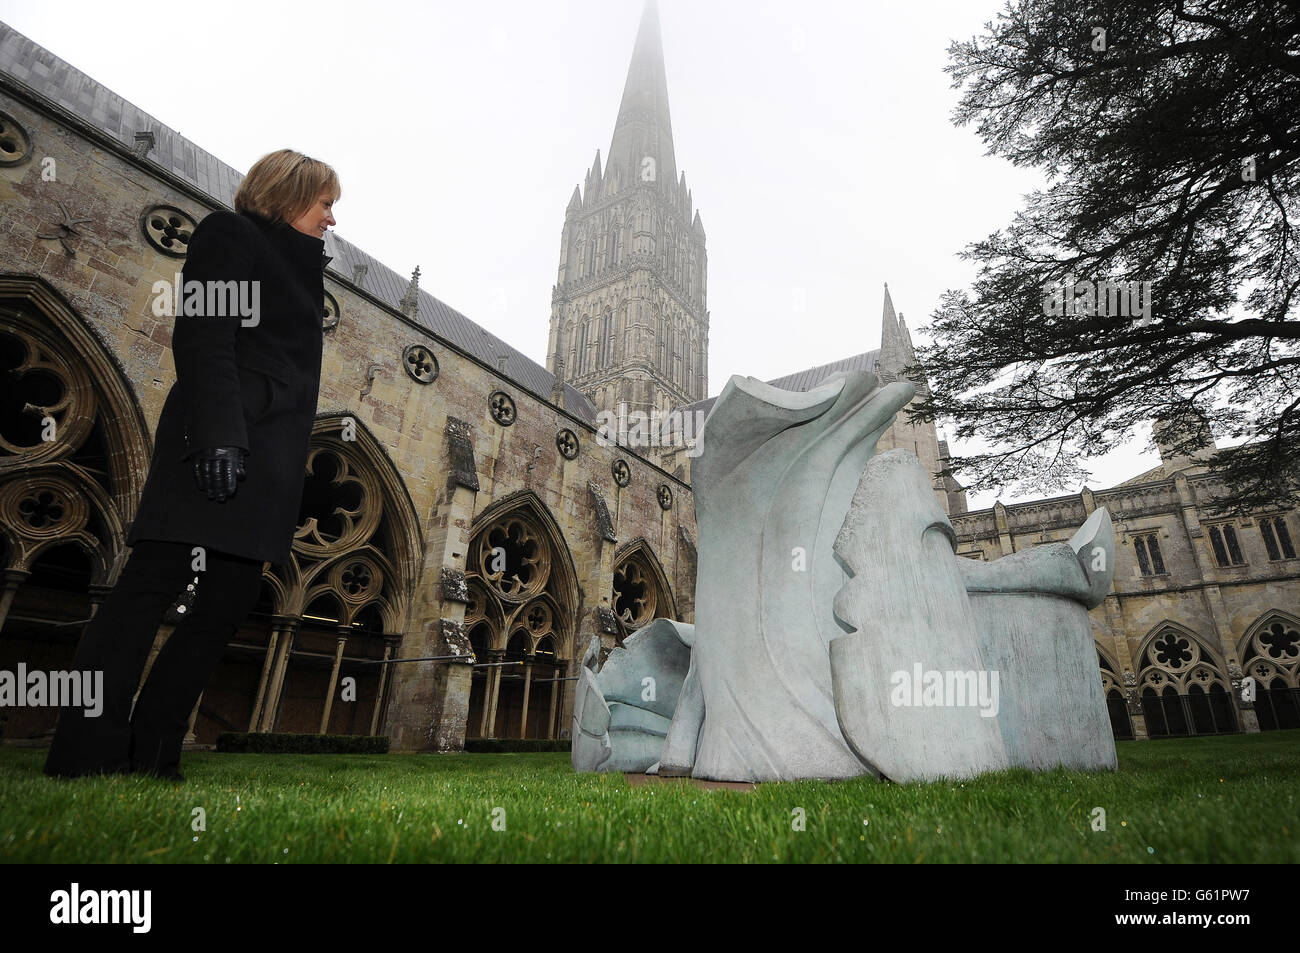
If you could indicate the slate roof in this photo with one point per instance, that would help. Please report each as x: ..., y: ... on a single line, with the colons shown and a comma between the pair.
x: 806, y: 379
x: 56, y: 80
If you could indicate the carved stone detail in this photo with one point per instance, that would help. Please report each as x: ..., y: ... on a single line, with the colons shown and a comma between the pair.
x: 606, y: 621
x: 330, y: 316
x: 454, y: 587
x: 67, y: 229
x: 502, y: 407
x: 420, y: 363
x: 603, y: 520
x: 685, y: 536
x: 566, y: 441
x: 461, y: 452
x: 454, y: 637
x: 168, y: 229
x: 15, y: 141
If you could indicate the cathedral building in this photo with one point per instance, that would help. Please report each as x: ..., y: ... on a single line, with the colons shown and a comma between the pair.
x: 1200, y: 633
x: 629, y: 320
x: 437, y: 445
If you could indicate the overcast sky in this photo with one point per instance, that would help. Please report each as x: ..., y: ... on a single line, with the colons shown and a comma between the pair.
x: 816, y: 138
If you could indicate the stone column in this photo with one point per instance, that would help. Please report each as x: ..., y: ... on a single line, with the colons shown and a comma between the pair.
x: 190, y: 737
x: 528, y: 684
x: 1246, y: 714
x: 1133, y: 700
x: 390, y: 643
x: 556, y: 684
x: 494, y: 690
x: 344, y: 632
x: 274, y: 694
x: 487, y: 697
x: 13, y: 578
x: 420, y: 700
x: 268, y: 663
x: 568, y: 667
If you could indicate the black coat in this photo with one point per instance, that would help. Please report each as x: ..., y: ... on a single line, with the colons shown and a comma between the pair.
x: 240, y: 384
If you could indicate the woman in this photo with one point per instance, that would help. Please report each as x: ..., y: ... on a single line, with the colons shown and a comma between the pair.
x: 226, y: 479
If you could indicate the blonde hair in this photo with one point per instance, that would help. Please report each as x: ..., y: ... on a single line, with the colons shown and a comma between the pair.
x: 283, y: 184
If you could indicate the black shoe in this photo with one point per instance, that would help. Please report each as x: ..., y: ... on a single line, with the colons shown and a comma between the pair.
x: 166, y: 774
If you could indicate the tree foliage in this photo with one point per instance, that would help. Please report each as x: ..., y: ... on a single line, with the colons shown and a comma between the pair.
x: 1170, y: 143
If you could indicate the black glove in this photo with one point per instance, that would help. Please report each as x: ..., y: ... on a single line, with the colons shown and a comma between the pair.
x: 218, y: 469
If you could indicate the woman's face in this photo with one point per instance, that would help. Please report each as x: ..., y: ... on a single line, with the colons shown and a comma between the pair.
x: 317, y: 218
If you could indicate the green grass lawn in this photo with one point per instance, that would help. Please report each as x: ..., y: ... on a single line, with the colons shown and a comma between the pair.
x: 1227, y: 799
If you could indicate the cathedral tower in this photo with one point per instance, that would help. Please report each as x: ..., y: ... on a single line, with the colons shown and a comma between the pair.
x: 629, y: 322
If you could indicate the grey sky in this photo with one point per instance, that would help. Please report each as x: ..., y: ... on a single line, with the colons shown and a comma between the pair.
x: 815, y: 137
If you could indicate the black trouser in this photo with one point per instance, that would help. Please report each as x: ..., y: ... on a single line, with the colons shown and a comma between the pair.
x: 117, y: 642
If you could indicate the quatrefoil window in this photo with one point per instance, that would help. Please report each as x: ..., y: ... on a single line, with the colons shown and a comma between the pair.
x: 356, y: 578
x: 1173, y: 651
x: 15, y: 143
x: 332, y: 511
x: 1281, y: 642
x: 502, y: 407
x: 41, y: 509
x: 420, y: 363
x: 632, y: 599
x: 168, y: 229
x: 622, y: 472
x: 567, y: 443
x: 511, y: 559
x: 538, y: 618
x: 330, y: 316
x: 665, y: 496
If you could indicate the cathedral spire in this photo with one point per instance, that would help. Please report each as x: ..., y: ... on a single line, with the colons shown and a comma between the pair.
x: 631, y: 293
x: 894, y: 351
x: 644, y: 129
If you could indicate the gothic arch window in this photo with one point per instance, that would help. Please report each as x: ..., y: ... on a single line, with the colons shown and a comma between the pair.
x: 662, y: 342
x: 584, y: 327
x: 350, y: 576
x: 640, y: 592
x: 1277, y: 537
x: 607, y: 338
x: 1182, y: 684
x: 1270, y: 653
x: 579, y: 247
x: 74, y: 452
x: 611, y: 245
x: 523, y: 602
x: 571, y: 348
x: 1121, y: 725
x: 688, y: 381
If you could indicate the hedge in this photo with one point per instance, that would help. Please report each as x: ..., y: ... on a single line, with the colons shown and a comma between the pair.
x: 258, y: 742
x: 500, y: 745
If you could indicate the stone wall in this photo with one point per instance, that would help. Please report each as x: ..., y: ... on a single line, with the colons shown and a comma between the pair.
x: 109, y: 285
